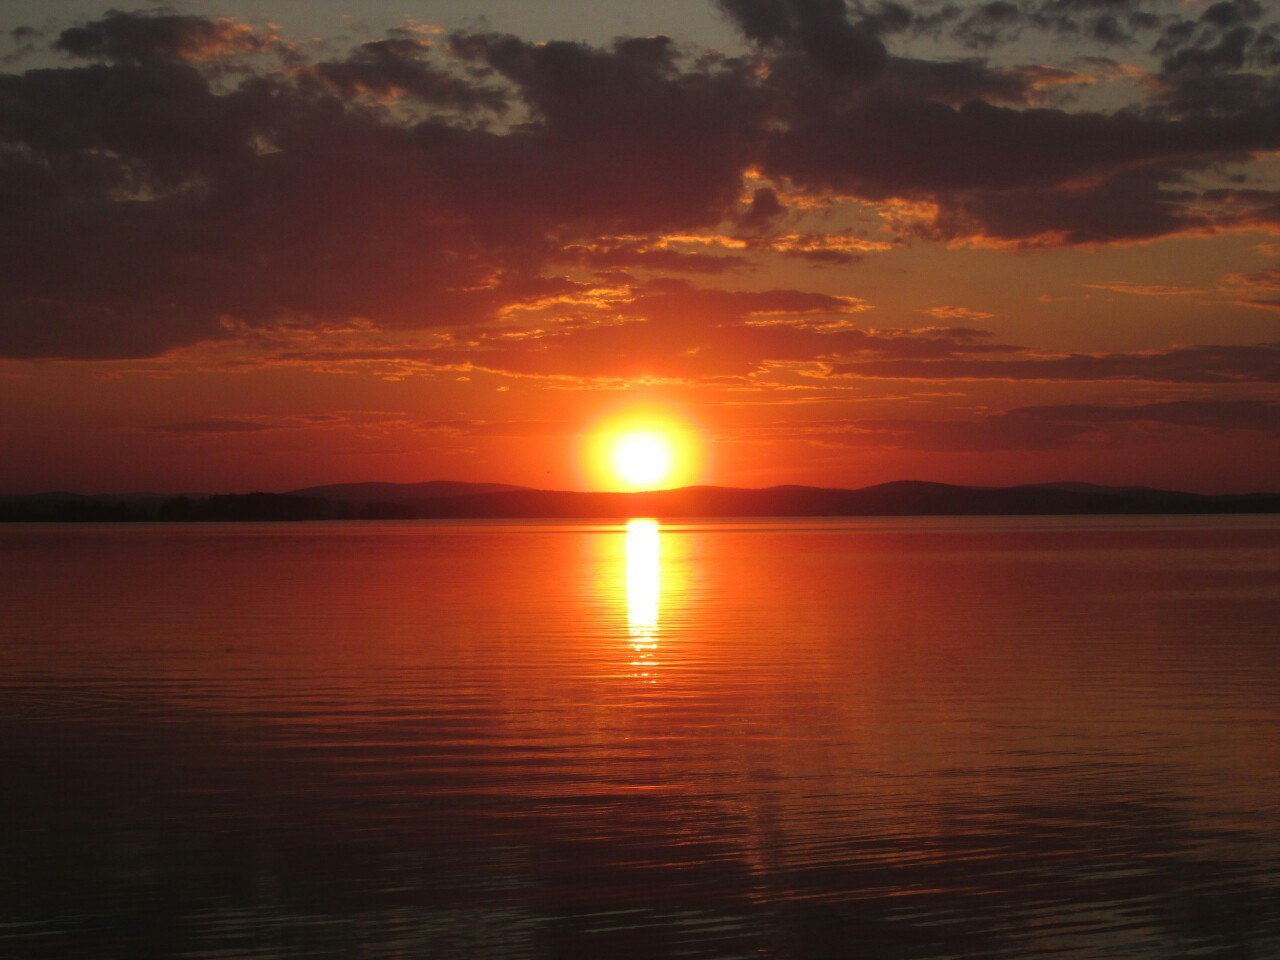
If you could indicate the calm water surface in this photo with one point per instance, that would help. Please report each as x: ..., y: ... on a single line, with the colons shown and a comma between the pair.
x: 884, y: 739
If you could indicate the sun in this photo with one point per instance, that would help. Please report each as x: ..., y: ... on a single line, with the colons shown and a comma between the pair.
x: 642, y: 459
x: 640, y: 448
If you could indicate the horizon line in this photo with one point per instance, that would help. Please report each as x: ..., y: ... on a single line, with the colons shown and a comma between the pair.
x: 1082, y: 486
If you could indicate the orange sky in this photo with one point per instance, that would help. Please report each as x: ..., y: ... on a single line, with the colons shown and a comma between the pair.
x: 837, y: 244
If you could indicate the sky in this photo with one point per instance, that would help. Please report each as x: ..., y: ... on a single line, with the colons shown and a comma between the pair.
x: 265, y: 244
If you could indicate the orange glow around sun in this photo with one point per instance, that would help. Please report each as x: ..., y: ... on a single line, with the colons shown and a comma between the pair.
x: 641, y: 453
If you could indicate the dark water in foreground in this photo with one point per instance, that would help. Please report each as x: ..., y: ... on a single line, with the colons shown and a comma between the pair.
x: 884, y: 739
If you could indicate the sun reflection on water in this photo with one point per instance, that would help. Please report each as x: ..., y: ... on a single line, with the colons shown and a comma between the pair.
x: 644, y: 587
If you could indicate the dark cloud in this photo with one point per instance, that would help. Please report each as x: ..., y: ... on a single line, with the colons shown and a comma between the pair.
x: 501, y: 428
x: 1260, y: 279
x: 179, y: 178
x: 955, y: 134
x: 1260, y: 415
x: 1220, y: 93
x: 1226, y: 37
x: 399, y: 67
x: 1102, y: 21
x: 215, y: 425
x: 666, y: 330
x: 995, y: 433
x: 1043, y: 428
x: 989, y: 23
x: 763, y: 210
x: 623, y: 138
x: 152, y: 200
x: 957, y: 82
x: 647, y: 254
x: 1129, y: 206
x: 669, y: 300
x: 1021, y: 174
x: 1260, y: 288
x: 808, y: 77
x: 1192, y: 364
x: 23, y: 40
x: 139, y: 38
x: 821, y: 30
x: 1224, y: 62
x: 674, y: 330
x: 901, y: 147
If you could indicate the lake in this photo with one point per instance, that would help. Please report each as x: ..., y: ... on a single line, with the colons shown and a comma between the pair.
x: 890, y: 738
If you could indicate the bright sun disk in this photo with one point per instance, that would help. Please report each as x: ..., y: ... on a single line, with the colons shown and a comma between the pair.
x: 642, y: 459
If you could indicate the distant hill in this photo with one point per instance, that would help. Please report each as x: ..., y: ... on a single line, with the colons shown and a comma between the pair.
x: 64, y: 496
x: 455, y: 500
x: 400, y: 492
x: 1153, y: 492
x: 901, y: 498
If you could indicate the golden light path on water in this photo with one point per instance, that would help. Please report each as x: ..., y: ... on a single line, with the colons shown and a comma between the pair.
x: 644, y: 588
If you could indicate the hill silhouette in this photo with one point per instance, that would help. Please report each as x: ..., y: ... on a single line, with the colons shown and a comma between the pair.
x: 400, y: 492
x: 456, y: 500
